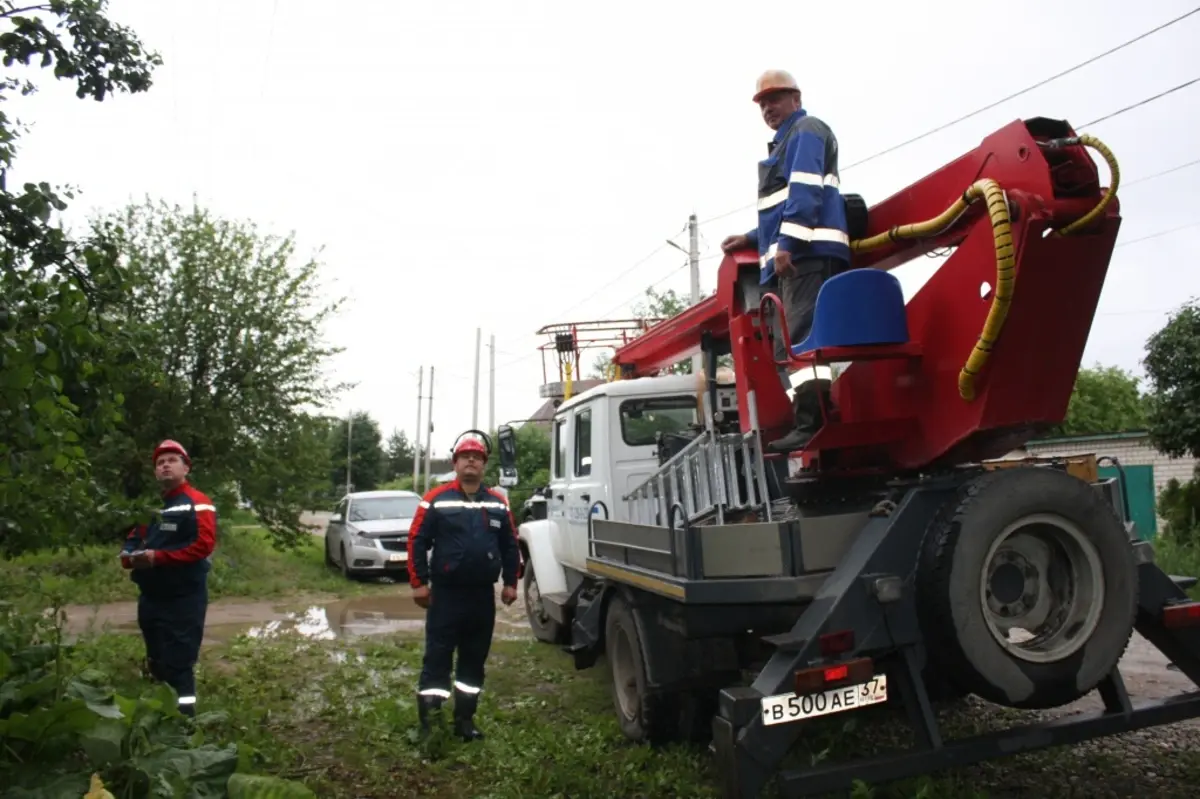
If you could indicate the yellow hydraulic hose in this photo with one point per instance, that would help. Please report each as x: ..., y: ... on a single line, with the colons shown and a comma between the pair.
x: 997, y: 205
x: 1113, y: 167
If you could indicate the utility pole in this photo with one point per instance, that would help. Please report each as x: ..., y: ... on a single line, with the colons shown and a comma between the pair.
x: 475, y: 392
x: 693, y: 254
x: 417, y: 442
x: 492, y: 384
x: 694, y: 263
x: 349, y: 449
x: 429, y: 430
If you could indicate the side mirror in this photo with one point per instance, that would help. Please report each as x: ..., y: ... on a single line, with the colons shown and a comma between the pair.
x: 506, y: 442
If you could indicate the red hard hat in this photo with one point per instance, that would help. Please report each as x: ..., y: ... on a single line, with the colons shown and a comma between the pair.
x: 171, y: 446
x: 470, y: 445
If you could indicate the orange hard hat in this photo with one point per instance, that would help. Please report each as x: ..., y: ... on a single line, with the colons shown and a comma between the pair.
x: 774, y: 80
x: 171, y: 446
x: 470, y: 445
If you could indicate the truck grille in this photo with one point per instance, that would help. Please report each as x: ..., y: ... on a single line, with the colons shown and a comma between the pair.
x: 394, y: 543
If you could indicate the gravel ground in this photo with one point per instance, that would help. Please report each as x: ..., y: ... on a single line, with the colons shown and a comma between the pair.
x: 1159, y: 763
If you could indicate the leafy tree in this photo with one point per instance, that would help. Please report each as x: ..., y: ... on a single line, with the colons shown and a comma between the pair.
x: 1105, y: 399
x: 59, y: 343
x: 1179, y: 506
x: 400, y: 456
x: 368, y: 461
x: 1173, y: 368
x: 228, y: 328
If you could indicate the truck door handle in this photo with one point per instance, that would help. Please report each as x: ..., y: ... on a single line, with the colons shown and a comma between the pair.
x: 586, y: 497
x: 559, y: 497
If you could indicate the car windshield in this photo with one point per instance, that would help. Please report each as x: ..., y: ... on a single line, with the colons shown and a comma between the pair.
x: 373, y: 509
x: 641, y: 419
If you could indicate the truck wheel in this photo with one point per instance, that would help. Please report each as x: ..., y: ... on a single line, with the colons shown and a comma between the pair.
x: 545, y: 629
x: 643, y: 717
x: 1028, y: 588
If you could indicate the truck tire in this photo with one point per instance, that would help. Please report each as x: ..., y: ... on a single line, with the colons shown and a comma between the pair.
x: 545, y: 629
x: 642, y: 716
x: 1027, y: 546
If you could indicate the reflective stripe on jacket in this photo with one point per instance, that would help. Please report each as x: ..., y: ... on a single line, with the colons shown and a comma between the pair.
x: 474, y: 540
x: 800, y: 205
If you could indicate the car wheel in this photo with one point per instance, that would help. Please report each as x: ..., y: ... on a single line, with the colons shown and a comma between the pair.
x: 347, y: 572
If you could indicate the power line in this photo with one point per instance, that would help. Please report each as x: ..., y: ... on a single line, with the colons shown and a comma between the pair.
x: 1001, y: 101
x: 659, y: 282
x: 617, y: 279
x: 1159, y: 234
x: 1160, y: 174
x: 1139, y: 104
x: 1027, y: 89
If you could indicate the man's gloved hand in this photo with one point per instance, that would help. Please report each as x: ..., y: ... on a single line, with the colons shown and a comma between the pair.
x: 738, y: 242
x: 783, y: 264
x: 143, y: 559
x: 509, y: 594
x: 420, y: 595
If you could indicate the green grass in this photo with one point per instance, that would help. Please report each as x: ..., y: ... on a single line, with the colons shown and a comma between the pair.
x: 245, y: 564
x: 1178, y: 559
x: 340, y: 717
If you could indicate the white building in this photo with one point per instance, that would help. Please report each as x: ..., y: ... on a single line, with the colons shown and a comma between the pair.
x: 1147, y: 470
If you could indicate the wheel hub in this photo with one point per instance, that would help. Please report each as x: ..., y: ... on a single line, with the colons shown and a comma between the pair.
x: 533, y: 601
x: 1042, y: 588
x: 1013, y: 586
x: 624, y: 678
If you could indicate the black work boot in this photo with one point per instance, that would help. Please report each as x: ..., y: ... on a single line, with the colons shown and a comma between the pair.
x: 465, y: 705
x: 806, y: 410
x: 427, y: 704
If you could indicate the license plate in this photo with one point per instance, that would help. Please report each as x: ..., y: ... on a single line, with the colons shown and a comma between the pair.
x: 395, y: 557
x: 789, y: 707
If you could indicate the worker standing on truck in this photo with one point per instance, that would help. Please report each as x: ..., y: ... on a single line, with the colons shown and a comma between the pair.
x: 801, y: 237
x: 170, y: 561
x: 470, y: 528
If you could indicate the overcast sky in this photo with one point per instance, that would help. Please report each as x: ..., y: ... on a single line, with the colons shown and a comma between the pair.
x: 461, y: 163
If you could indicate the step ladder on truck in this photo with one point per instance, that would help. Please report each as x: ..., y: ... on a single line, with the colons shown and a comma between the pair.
x: 896, y: 560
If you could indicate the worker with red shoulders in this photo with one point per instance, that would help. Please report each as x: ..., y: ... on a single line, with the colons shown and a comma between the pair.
x: 170, y: 561
x: 470, y: 528
x: 802, y: 236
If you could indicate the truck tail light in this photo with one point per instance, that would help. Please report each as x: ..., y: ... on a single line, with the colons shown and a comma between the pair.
x: 1184, y: 614
x: 818, y: 678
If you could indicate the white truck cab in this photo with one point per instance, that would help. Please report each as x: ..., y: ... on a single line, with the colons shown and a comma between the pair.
x: 602, y: 447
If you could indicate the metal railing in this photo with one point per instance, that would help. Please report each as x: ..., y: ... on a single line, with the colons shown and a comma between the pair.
x: 703, y: 477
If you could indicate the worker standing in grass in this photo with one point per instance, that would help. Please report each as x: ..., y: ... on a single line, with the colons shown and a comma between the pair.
x: 802, y: 237
x: 471, y: 530
x: 170, y: 559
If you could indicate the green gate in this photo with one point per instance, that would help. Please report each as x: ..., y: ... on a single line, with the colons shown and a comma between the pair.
x: 1139, y: 482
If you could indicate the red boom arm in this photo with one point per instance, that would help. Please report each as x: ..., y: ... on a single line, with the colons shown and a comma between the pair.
x: 904, y: 413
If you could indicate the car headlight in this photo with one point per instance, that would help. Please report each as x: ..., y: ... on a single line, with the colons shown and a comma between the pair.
x: 364, y: 541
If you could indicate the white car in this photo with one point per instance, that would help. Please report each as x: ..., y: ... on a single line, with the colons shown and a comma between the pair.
x: 368, y: 534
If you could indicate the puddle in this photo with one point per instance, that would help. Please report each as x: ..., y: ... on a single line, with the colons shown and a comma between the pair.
x: 342, y: 619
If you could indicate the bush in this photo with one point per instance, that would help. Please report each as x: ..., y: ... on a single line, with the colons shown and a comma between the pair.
x: 65, y: 730
x: 1179, y: 507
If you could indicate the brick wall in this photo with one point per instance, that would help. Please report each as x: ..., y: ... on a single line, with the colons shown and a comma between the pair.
x: 1133, y: 449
